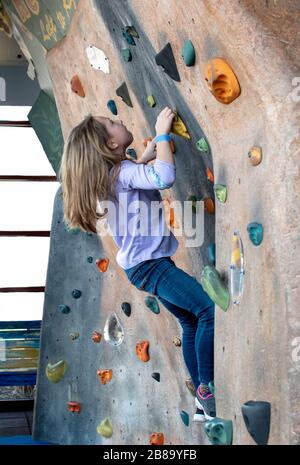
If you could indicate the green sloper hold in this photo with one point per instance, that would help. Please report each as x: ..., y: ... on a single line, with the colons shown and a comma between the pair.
x: 122, y: 92
x: 105, y: 428
x: 214, y: 287
x: 202, y: 145
x: 151, y: 101
x: 256, y: 233
x: 219, y: 431
x: 185, y: 417
x: 56, y: 372
x: 126, y: 54
x: 188, y: 53
x: 221, y: 192
x: 152, y: 303
x: 128, y: 37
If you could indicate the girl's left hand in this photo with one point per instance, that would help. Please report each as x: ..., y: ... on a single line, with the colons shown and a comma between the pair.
x: 149, y: 153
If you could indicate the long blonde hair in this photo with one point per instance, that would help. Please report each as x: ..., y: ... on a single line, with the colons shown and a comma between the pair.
x: 84, y: 174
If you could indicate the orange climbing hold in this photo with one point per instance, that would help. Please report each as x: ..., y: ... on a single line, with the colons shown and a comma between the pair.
x: 77, y: 86
x: 157, y: 439
x: 105, y: 376
x: 74, y: 407
x: 96, y: 336
x: 209, y: 175
x: 221, y: 81
x: 142, y: 351
x: 102, y: 264
x: 209, y: 205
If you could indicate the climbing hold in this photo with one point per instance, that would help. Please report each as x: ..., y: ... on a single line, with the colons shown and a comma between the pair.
x: 142, y: 351
x: 73, y: 230
x: 209, y: 206
x: 152, y: 303
x: 255, y: 156
x: 96, y: 337
x: 74, y: 336
x: 219, y: 431
x: 221, y: 192
x: 105, y: 428
x: 90, y: 259
x: 122, y: 92
x: 102, y: 264
x: 113, y: 331
x: 214, y: 287
x: 74, y: 407
x: 55, y: 372
x: 126, y: 54
x: 77, y: 87
x: 211, y: 253
x: 76, y: 293
x: 104, y: 376
x: 190, y: 385
x: 209, y: 175
x: 222, y: 81
x: 157, y: 439
x: 126, y: 307
x: 97, y: 59
x: 257, y: 416
x: 177, y: 341
x: 211, y: 387
x: 237, y: 270
x: 111, y: 105
x: 131, y: 153
x: 185, y: 417
x: 165, y: 58
x: 132, y: 31
x: 193, y: 199
x: 179, y: 128
x: 256, y: 233
x: 188, y: 53
x: 202, y: 145
x: 151, y: 101
x: 156, y: 376
x: 64, y: 309
x: 128, y: 37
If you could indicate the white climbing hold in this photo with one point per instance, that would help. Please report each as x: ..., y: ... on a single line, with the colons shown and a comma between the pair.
x: 97, y: 59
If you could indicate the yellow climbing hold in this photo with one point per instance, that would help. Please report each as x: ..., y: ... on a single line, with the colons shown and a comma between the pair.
x: 55, y: 372
x: 105, y: 428
x: 179, y: 128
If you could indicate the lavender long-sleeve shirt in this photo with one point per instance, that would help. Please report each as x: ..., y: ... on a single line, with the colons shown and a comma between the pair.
x: 139, y: 232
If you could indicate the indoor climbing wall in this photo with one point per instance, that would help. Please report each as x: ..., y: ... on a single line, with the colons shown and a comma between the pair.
x: 229, y: 71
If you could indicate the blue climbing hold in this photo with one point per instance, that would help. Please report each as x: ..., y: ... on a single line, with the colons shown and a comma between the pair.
x: 185, y: 417
x: 131, y: 153
x: 128, y: 37
x: 256, y: 233
x: 64, y: 309
x: 76, y: 293
x: 152, y: 304
x: 90, y: 259
x: 111, y: 105
x: 211, y: 253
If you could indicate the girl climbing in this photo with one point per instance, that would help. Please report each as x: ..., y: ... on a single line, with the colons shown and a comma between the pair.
x: 95, y: 168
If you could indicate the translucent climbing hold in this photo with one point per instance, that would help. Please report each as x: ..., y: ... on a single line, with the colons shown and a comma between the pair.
x: 122, y: 92
x: 219, y: 431
x: 209, y: 175
x: 97, y: 59
x: 152, y: 304
x: 128, y: 37
x: 77, y: 87
x: 96, y: 337
x: 190, y: 385
x: 102, y: 264
x: 156, y: 376
x: 74, y: 336
x: 151, y: 101
x: 76, y: 293
x: 165, y: 58
x: 256, y: 233
x: 221, y: 81
x: 185, y: 417
x: 131, y: 153
x: 126, y: 54
x: 177, y: 341
x: 221, y: 192
x: 113, y: 330
x: 214, y: 287
x: 55, y: 372
x: 209, y: 205
x: 104, y: 376
x: 237, y: 268
x: 142, y: 350
x: 105, y: 428
x: 211, y: 387
x: 211, y: 253
x: 64, y: 309
x: 202, y: 145
x: 179, y: 128
x: 126, y: 307
x: 73, y: 230
x: 132, y: 31
x: 257, y: 417
x: 90, y: 259
x: 111, y: 105
x: 255, y: 155
x: 188, y: 53
x: 193, y: 199
x: 74, y: 407
x: 157, y: 439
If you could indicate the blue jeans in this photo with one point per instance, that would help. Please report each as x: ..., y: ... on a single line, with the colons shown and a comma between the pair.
x: 185, y: 298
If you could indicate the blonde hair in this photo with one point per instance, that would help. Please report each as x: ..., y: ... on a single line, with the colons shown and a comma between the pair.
x: 84, y: 174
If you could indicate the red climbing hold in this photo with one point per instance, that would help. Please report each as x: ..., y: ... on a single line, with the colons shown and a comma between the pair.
x: 142, y: 351
x: 105, y: 376
x: 77, y: 86
x: 96, y: 337
x: 157, y: 439
x: 102, y: 264
x: 74, y: 407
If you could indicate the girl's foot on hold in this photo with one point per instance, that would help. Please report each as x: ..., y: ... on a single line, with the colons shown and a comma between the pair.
x: 205, y: 401
x: 199, y: 415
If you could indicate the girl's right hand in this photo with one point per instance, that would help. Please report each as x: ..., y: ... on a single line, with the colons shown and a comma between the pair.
x: 164, y: 121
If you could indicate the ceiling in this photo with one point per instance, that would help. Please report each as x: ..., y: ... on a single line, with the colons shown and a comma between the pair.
x: 9, y: 51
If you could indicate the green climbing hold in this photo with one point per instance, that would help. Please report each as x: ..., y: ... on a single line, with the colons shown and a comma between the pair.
x: 126, y: 54
x: 151, y: 101
x: 64, y: 309
x: 90, y: 259
x: 214, y: 287
x: 152, y: 303
x: 111, y: 105
x: 188, y: 53
x: 105, y: 428
x: 256, y: 233
x: 76, y: 293
x: 193, y: 198
x: 221, y: 192
x: 55, y: 372
x: 128, y: 37
x: 202, y: 145
x: 132, y: 31
x: 219, y: 431
x: 73, y: 230
x: 185, y: 417
x: 126, y: 307
x: 156, y: 376
x: 211, y: 387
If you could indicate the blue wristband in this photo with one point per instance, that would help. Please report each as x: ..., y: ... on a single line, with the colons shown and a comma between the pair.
x: 163, y: 137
